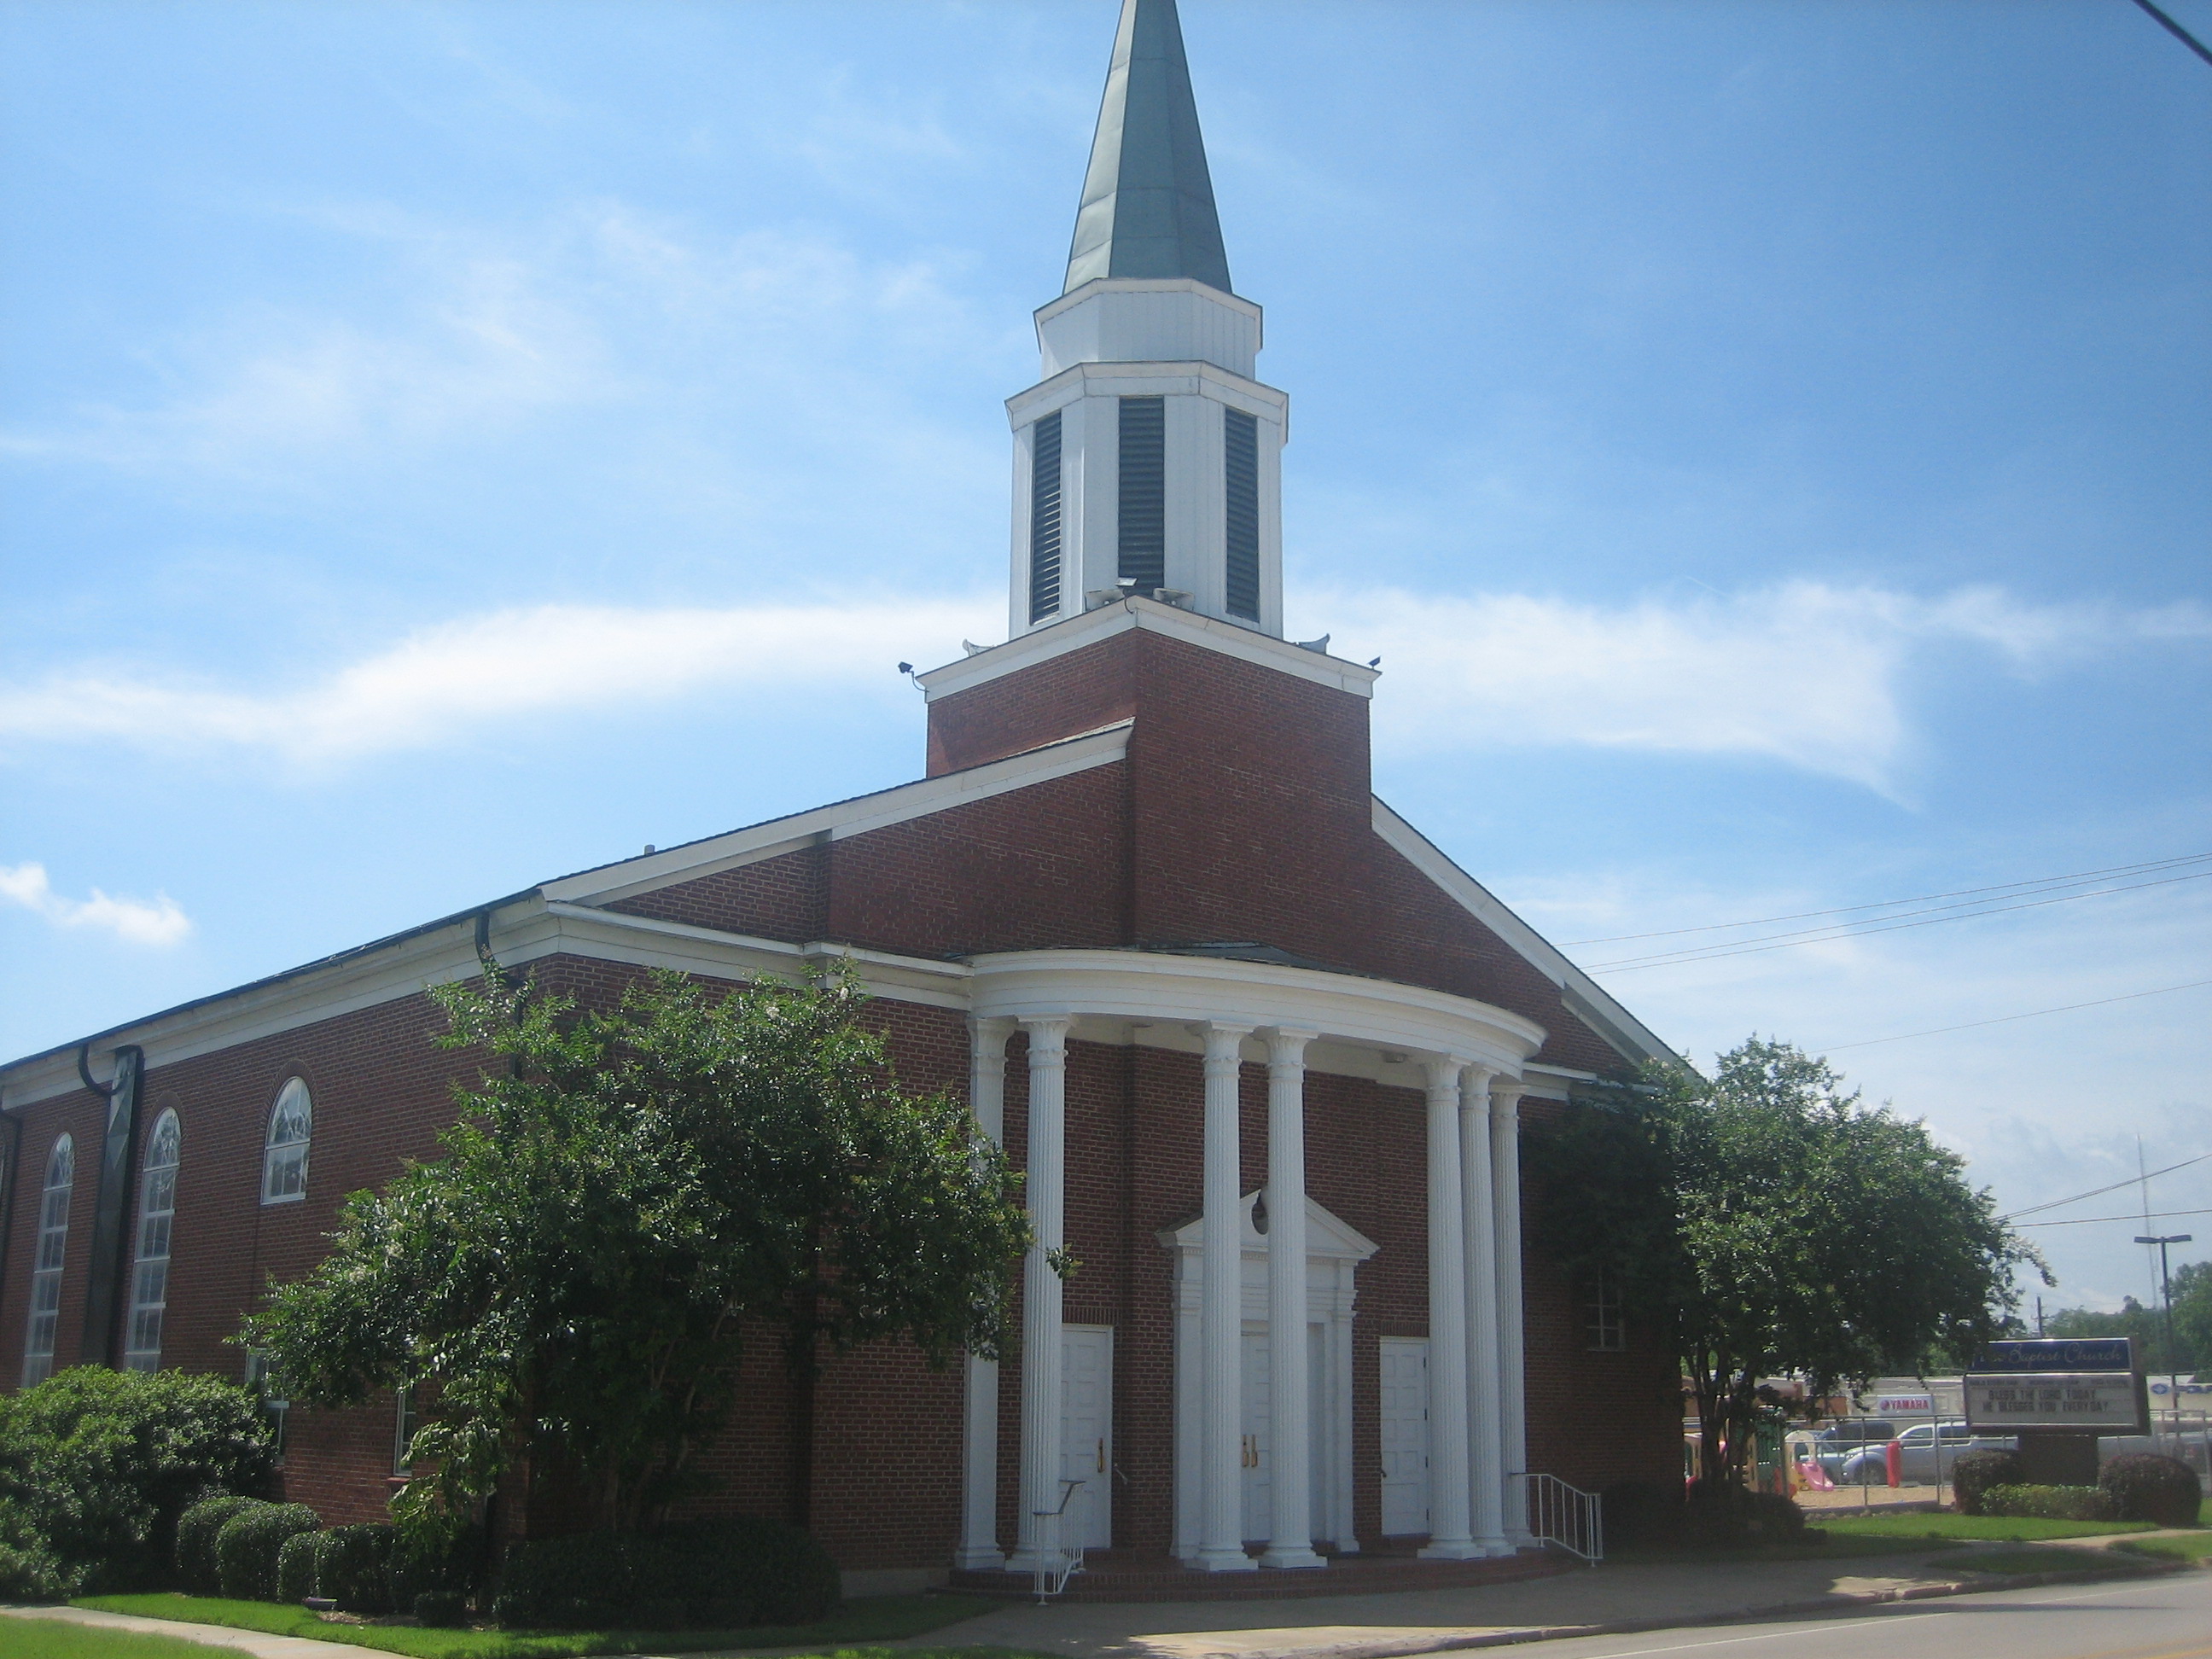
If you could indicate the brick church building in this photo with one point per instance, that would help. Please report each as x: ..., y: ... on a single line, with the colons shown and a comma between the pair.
x: 1264, y: 1052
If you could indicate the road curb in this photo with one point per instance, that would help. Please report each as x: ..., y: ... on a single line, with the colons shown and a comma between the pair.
x: 1836, y: 1601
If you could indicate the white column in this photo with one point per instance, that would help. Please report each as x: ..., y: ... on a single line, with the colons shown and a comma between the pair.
x: 1221, y: 1315
x: 979, y: 1550
x: 1512, y: 1405
x: 1450, y: 1539
x: 1047, y: 1186
x: 1486, y: 1501
x: 1290, y: 1430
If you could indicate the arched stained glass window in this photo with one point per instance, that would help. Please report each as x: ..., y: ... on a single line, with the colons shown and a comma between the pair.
x: 284, y: 1166
x: 46, y: 1265
x: 150, y: 1281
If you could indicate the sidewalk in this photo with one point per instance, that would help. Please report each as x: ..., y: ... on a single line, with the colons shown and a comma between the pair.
x: 1615, y: 1596
x: 215, y: 1635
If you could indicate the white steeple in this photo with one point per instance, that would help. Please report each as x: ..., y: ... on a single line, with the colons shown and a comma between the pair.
x: 1148, y: 460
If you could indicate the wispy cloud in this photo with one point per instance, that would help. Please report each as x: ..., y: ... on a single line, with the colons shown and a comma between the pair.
x: 1807, y: 674
x: 449, y: 683
x: 160, y: 922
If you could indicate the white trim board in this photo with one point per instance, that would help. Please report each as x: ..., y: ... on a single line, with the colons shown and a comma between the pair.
x: 1583, y: 995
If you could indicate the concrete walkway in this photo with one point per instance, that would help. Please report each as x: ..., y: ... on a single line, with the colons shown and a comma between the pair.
x: 1614, y: 1597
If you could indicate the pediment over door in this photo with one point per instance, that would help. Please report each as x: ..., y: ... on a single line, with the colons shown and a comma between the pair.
x: 1326, y: 1234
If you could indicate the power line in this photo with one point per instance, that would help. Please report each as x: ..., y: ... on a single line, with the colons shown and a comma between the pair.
x: 2099, y: 1192
x: 2176, y: 31
x: 2083, y: 1221
x: 2007, y: 1019
x: 1841, y: 930
x: 1915, y: 898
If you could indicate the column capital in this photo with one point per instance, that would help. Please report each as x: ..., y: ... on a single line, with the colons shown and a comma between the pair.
x: 1287, y: 1045
x: 990, y: 1031
x: 1475, y: 1087
x: 1506, y: 1094
x: 1048, y: 1032
x: 1224, y: 1042
x: 1444, y: 1072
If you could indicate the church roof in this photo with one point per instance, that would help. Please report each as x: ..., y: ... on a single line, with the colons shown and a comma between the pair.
x: 1148, y: 200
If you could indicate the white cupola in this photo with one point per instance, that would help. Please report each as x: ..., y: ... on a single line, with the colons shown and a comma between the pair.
x: 1147, y: 461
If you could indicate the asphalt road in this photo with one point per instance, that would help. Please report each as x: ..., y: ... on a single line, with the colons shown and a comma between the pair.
x: 2168, y: 1618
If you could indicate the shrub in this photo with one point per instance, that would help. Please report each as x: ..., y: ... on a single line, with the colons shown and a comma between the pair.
x: 2049, y: 1502
x: 1976, y: 1472
x: 1643, y: 1514
x: 441, y: 1609
x: 98, y: 1466
x: 295, y: 1567
x: 444, y: 1557
x: 353, y: 1567
x: 29, y: 1571
x: 246, y: 1549
x: 715, y: 1573
x: 197, y: 1573
x: 2143, y: 1487
x: 1719, y: 1516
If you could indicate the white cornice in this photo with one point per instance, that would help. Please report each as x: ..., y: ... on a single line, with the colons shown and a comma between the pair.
x: 856, y: 817
x: 1157, y: 988
x: 1583, y: 995
x: 1099, y: 285
x: 1090, y: 627
x: 1149, y: 379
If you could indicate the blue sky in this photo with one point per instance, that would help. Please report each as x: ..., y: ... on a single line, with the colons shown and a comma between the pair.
x: 447, y: 445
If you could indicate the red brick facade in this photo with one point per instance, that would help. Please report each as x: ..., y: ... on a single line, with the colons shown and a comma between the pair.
x: 1242, y: 812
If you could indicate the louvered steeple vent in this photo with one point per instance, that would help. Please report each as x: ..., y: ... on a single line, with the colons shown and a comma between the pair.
x: 1148, y: 460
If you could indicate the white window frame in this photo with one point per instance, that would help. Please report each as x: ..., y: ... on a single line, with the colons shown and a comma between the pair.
x: 284, y: 1163
x: 149, y: 1274
x: 1604, y: 1326
x: 44, y: 1324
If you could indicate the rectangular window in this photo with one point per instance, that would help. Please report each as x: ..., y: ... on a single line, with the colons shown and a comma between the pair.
x: 1044, y: 517
x: 1142, y: 545
x: 1240, y: 445
x: 404, y: 1422
x: 1601, y: 1316
x: 269, y: 1392
x: 46, y: 1265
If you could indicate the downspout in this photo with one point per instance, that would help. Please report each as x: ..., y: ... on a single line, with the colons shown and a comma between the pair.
x: 103, y: 1291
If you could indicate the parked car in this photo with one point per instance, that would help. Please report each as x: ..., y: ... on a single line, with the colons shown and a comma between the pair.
x: 1916, y: 1452
x: 1831, y: 1446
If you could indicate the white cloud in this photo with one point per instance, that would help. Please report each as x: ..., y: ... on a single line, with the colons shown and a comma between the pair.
x: 159, y: 923
x: 448, y: 683
x: 1805, y: 673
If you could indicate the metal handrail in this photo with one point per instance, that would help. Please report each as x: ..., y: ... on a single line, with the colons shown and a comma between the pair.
x: 1055, y: 1565
x: 1566, y: 1516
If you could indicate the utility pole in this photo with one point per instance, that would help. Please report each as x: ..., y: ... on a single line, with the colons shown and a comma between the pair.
x: 2166, y: 1287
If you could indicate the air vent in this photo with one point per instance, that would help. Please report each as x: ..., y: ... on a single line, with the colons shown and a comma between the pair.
x: 1240, y: 445
x: 1143, y: 545
x: 1044, y: 517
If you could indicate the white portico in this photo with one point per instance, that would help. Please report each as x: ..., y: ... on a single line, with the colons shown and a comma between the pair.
x: 1271, y: 1308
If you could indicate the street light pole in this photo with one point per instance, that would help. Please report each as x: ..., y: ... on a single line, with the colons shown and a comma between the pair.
x: 2165, y: 1292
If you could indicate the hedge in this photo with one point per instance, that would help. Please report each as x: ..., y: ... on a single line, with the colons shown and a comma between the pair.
x: 725, y: 1573
x: 246, y: 1549
x: 1976, y: 1472
x: 97, y: 1466
x: 2146, y: 1487
x: 295, y: 1567
x: 198, y: 1571
x: 2049, y: 1503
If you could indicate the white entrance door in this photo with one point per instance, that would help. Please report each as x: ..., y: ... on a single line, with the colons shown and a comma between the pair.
x: 1086, y: 1433
x: 1258, y: 1444
x: 1404, y: 1436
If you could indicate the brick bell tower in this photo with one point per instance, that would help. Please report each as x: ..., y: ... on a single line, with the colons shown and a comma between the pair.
x: 1145, y: 583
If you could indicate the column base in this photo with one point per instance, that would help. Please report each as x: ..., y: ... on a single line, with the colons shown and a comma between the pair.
x: 1521, y: 1538
x: 979, y: 1560
x: 1291, y: 1560
x: 1451, y: 1549
x: 1493, y: 1547
x: 1220, y: 1560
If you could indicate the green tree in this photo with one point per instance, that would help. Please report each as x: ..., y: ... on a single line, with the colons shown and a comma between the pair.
x: 2191, y: 1348
x: 628, y: 1196
x: 1768, y: 1222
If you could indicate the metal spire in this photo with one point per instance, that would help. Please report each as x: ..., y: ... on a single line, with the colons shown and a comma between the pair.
x: 1148, y: 201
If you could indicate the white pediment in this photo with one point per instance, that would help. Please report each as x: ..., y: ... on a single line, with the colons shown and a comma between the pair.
x: 1326, y: 1234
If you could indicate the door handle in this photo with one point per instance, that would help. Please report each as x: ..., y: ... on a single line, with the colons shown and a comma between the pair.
x: 1102, y: 1456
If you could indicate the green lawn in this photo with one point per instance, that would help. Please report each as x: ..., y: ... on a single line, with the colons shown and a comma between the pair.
x: 873, y: 1618
x: 2193, y: 1548
x: 51, y: 1638
x: 1941, y: 1523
